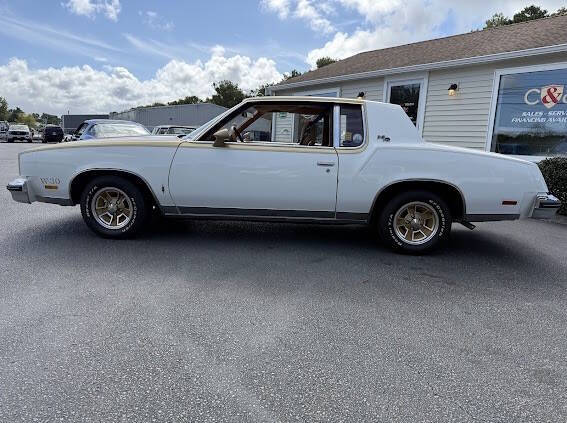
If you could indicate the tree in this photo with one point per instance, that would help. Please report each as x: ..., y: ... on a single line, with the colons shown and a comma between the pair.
x: 14, y: 114
x: 292, y: 74
x: 530, y: 13
x: 28, y: 120
x: 261, y: 90
x: 3, y: 109
x: 498, y: 19
x: 49, y: 119
x: 187, y: 100
x: 227, y: 94
x: 324, y: 61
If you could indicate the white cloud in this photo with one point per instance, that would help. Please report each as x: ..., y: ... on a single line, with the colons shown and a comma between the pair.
x: 83, y: 89
x: 306, y: 10
x: 155, y: 21
x: 386, y: 23
x: 281, y: 7
x: 312, y: 12
x: 110, y: 8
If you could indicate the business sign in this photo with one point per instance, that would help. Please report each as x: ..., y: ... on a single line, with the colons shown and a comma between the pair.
x: 547, y: 96
x: 550, y: 95
x: 531, y: 113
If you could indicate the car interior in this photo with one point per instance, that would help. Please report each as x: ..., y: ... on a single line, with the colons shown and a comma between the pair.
x: 301, y: 124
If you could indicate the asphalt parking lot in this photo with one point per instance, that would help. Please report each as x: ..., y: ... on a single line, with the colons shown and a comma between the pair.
x: 221, y: 321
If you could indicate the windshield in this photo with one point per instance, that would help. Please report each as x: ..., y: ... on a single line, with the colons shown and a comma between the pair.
x: 194, y: 132
x: 107, y: 130
x: 19, y: 128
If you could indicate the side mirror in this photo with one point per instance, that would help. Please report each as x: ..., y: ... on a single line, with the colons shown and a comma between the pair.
x: 220, y: 137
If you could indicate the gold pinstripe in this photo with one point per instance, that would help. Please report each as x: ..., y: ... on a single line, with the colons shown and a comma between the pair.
x: 104, y: 143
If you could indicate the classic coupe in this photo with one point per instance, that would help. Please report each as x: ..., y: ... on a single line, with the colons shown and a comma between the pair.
x: 292, y: 159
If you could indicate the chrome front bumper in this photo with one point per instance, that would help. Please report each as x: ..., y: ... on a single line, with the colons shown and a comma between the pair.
x: 546, y: 205
x: 19, y: 189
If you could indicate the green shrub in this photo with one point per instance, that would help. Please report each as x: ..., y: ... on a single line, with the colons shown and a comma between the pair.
x: 555, y: 174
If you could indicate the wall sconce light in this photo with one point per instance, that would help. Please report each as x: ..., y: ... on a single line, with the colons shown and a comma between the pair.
x: 453, y: 90
x: 360, y: 96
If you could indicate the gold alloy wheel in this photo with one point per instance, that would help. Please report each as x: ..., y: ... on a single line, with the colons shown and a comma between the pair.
x: 111, y: 208
x: 416, y: 223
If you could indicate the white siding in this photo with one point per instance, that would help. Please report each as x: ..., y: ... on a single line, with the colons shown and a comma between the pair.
x: 373, y: 89
x: 463, y: 120
x: 283, y: 128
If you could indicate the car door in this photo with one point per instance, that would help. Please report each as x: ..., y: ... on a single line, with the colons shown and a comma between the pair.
x: 266, y: 178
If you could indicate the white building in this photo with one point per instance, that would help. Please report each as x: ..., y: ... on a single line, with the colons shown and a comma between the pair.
x: 502, y: 89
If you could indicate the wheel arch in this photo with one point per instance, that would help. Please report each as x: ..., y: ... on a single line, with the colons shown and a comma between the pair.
x: 81, y: 179
x: 448, y: 191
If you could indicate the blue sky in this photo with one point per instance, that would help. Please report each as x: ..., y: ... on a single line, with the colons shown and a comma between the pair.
x: 103, y: 55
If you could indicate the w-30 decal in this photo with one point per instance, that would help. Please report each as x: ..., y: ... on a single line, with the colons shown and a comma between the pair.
x: 50, y: 180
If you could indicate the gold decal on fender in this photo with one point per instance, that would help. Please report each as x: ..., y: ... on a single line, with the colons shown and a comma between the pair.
x: 48, y: 186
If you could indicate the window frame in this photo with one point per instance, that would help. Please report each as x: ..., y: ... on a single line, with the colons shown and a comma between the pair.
x: 278, y: 145
x: 413, y: 78
x: 498, y: 73
x: 337, y: 128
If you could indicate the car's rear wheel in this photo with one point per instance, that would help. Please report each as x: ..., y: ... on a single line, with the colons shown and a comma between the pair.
x: 415, y: 222
x: 113, y: 207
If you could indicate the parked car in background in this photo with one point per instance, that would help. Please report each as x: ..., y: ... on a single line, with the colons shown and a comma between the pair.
x: 19, y: 133
x: 344, y: 161
x: 3, y: 129
x: 106, y: 128
x: 52, y: 133
x: 180, y: 131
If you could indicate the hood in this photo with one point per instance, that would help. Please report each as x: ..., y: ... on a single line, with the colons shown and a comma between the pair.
x: 138, y: 141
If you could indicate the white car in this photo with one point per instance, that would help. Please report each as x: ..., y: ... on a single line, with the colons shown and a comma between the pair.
x: 19, y: 132
x: 326, y: 160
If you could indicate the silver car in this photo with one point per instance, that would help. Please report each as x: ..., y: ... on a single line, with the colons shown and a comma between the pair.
x: 107, y: 128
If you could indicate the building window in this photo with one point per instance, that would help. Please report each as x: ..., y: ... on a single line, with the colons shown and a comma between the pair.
x: 531, y: 114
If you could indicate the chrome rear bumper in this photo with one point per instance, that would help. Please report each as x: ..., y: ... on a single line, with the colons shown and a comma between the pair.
x: 546, y: 205
x: 19, y: 190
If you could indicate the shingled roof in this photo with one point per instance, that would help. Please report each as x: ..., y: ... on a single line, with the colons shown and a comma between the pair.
x: 516, y: 37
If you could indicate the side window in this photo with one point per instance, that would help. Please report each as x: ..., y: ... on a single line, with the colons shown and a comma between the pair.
x: 351, y: 126
x: 307, y: 124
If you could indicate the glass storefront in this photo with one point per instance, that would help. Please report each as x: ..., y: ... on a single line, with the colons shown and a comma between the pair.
x: 531, y: 114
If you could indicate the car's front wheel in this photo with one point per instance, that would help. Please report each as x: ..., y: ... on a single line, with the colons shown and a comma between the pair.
x: 113, y: 207
x: 415, y: 222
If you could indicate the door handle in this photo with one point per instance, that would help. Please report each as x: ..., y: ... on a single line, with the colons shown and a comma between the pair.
x: 326, y: 164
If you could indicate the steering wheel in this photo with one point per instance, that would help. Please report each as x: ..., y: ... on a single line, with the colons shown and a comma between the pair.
x: 235, y: 131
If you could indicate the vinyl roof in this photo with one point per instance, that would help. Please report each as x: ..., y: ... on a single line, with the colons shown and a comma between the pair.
x: 516, y: 37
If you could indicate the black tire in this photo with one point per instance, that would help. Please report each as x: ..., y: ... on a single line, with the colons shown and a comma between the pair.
x: 392, y: 237
x: 139, y: 212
